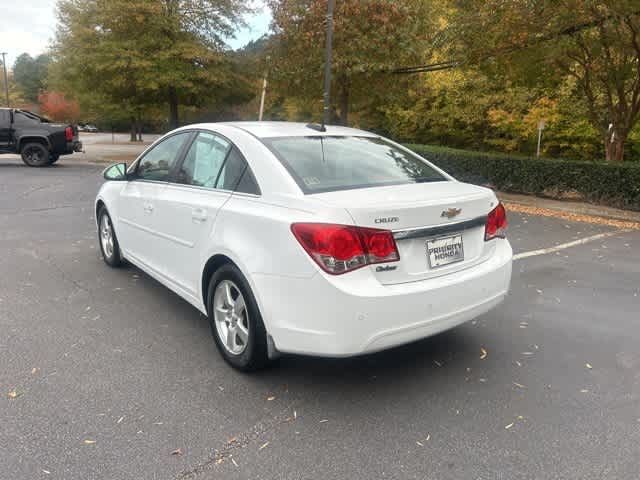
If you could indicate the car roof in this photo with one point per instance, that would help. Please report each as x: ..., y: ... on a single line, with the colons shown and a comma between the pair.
x: 293, y: 129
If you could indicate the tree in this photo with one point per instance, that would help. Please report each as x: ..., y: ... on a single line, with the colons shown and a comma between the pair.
x: 30, y: 75
x: 55, y: 106
x: 371, y: 37
x: 137, y: 55
x: 596, y: 43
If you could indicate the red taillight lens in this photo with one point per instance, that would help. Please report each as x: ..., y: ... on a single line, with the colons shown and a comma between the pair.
x: 68, y: 134
x: 342, y: 248
x: 496, y: 226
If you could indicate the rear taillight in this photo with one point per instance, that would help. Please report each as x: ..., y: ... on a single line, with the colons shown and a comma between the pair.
x: 342, y: 248
x: 68, y: 134
x: 496, y: 226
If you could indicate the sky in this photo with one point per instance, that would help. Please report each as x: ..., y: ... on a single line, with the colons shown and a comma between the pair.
x: 28, y: 26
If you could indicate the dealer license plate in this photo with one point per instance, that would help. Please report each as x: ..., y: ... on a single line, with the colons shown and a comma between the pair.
x: 445, y: 250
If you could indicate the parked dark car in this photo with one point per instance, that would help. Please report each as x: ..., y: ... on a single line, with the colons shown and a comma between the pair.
x: 36, y: 139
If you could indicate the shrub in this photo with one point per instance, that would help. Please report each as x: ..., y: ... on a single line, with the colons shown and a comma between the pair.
x: 616, y: 185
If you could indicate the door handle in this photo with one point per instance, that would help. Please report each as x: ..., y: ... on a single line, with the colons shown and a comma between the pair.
x: 199, y: 215
x: 148, y: 208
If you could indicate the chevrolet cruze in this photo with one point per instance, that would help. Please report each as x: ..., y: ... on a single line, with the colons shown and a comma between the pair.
x: 302, y: 239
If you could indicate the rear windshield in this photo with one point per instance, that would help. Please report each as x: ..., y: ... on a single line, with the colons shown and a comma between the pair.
x: 326, y: 164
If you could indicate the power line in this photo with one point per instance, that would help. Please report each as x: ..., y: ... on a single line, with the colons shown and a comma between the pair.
x: 568, y: 31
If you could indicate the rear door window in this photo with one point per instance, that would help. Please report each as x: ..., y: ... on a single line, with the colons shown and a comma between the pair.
x: 325, y: 164
x: 203, y: 161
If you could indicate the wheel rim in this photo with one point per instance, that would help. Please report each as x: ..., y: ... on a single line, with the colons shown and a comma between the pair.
x: 231, y: 317
x: 106, y: 236
x: 34, y: 155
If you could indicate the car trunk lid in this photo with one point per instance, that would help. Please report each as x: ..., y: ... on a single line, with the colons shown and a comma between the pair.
x: 438, y: 227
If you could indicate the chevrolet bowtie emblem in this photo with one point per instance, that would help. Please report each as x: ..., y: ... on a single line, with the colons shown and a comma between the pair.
x: 451, y: 212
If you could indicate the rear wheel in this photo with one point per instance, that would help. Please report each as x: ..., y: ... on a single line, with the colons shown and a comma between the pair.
x: 236, y: 323
x: 35, y: 155
x: 109, y: 245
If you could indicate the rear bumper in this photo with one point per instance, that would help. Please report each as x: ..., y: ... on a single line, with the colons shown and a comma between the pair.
x: 355, y: 314
x: 75, y: 146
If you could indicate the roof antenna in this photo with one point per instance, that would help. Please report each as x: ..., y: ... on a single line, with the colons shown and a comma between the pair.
x: 326, y: 109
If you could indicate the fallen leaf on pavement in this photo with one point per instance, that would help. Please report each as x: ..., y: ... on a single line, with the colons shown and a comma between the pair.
x: 34, y: 370
x: 89, y: 442
x: 269, y: 399
x: 263, y: 446
x: 507, y: 427
x: 234, y: 462
x: 519, y: 385
x: 483, y: 354
x: 14, y: 394
x: 120, y: 420
x: 324, y: 421
x: 177, y: 451
x: 588, y: 365
x: 422, y: 445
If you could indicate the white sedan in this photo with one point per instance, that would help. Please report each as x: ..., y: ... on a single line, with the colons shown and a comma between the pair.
x: 294, y: 238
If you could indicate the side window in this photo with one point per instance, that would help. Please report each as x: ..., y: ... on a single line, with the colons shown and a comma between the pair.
x: 22, y: 120
x: 4, y: 119
x: 203, y: 161
x: 158, y: 162
x: 232, y: 171
x: 248, y: 183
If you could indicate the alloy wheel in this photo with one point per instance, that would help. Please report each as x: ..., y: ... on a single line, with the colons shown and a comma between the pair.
x: 106, y: 236
x: 231, y: 317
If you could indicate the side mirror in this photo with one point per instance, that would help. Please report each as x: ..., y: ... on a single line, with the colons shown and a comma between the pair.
x: 116, y: 172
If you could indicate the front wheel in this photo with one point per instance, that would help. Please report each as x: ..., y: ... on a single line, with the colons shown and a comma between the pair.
x: 109, y: 245
x: 53, y: 158
x: 35, y: 155
x: 236, y: 323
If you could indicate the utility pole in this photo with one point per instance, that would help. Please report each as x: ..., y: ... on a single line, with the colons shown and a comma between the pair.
x: 326, y: 112
x: 541, y: 125
x: 6, y: 81
x: 264, y: 91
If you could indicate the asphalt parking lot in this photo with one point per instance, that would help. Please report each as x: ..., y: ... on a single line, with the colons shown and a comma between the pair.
x: 104, y: 373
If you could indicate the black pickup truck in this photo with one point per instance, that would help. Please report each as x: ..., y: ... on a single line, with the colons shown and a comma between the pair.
x: 36, y: 139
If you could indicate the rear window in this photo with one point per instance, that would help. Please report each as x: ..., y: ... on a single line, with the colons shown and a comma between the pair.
x: 327, y: 164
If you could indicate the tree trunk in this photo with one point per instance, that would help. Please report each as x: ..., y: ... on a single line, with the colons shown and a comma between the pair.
x: 614, y: 147
x: 133, y: 130
x: 139, y: 129
x: 343, y: 100
x: 173, y: 108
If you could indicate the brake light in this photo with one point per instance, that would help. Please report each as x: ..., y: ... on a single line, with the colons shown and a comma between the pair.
x: 343, y: 248
x: 68, y: 134
x: 496, y: 226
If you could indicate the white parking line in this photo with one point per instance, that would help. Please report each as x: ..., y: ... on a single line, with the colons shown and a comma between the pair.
x: 557, y: 248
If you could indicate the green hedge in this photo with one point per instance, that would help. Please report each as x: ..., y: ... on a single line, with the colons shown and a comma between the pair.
x: 600, y: 183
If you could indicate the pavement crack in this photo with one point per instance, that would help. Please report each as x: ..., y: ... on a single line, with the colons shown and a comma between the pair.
x: 239, y: 442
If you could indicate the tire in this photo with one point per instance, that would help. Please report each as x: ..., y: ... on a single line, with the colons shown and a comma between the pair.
x: 245, y: 345
x: 35, y: 155
x: 108, y: 241
x: 53, y: 158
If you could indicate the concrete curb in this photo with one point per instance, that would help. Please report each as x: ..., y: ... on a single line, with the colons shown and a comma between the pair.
x: 578, y: 208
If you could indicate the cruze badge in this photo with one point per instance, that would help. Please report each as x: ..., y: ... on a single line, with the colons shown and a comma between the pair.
x: 451, y: 212
x: 387, y: 220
